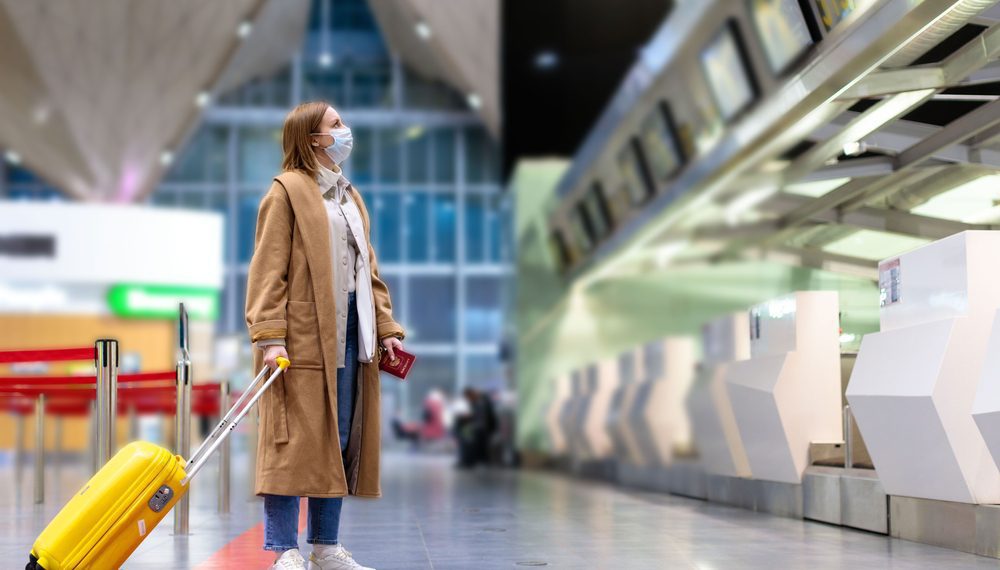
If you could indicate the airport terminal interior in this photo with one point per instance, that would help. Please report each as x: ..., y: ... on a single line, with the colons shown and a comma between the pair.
x: 700, y: 284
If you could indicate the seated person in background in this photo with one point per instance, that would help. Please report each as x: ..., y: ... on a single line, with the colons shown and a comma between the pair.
x: 474, y: 429
x: 431, y: 427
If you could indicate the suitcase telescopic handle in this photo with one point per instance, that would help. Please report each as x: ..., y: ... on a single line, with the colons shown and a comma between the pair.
x: 231, y: 420
x: 227, y: 419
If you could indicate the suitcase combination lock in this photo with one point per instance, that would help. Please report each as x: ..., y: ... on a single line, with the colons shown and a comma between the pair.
x: 161, y: 498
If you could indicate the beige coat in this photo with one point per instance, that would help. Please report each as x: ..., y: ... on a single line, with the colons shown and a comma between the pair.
x: 290, y: 295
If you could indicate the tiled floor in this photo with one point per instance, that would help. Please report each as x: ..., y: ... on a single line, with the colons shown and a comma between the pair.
x: 433, y: 517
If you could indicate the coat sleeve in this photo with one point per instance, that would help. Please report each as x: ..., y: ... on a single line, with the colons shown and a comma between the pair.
x: 267, y: 278
x: 385, y: 325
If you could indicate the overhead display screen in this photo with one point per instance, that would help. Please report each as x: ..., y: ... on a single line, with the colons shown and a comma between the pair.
x: 660, y: 141
x: 618, y: 201
x: 559, y: 250
x: 783, y: 31
x: 632, y: 166
x: 727, y: 73
x: 832, y: 12
x: 582, y: 232
x: 596, y: 206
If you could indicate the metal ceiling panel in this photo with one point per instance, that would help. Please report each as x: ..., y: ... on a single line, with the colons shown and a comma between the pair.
x: 104, y: 88
x: 454, y: 41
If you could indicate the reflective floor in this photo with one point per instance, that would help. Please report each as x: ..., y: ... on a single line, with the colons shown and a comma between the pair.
x: 434, y: 517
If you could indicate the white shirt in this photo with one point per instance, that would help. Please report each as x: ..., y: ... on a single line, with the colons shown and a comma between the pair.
x: 340, y: 206
x: 351, y: 266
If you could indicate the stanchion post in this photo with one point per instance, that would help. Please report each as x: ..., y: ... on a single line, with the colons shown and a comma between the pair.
x: 106, y: 353
x: 57, y: 452
x: 19, y: 450
x: 182, y: 423
x: 40, y: 450
x: 224, y: 464
x: 182, y: 438
x: 848, y: 438
x: 133, y: 423
x: 57, y: 441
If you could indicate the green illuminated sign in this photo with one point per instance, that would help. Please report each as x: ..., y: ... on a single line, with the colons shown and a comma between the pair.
x: 132, y: 300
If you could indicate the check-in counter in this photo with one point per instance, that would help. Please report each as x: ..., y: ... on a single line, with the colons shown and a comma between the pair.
x: 658, y: 416
x: 630, y: 373
x: 569, y: 412
x: 600, y: 381
x: 913, y: 390
x: 986, y: 407
x: 716, y: 436
x: 561, y: 390
x: 787, y: 394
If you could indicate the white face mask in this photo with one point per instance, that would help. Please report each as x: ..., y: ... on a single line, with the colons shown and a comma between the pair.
x: 343, y: 142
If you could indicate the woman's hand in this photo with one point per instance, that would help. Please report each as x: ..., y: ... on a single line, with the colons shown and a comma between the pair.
x: 390, y: 344
x: 271, y: 353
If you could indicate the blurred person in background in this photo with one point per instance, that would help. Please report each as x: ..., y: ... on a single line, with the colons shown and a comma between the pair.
x: 431, y: 428
x: 315, y: 297
x: 474, y: 429
x: 501, y: 443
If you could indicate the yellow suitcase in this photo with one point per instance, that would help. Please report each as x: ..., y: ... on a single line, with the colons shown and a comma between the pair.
x: 115, y: 511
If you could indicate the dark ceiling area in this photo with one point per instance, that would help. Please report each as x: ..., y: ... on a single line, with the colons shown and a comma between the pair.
x: 561, y: 62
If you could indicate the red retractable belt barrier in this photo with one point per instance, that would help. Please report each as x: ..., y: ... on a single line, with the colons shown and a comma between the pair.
x: 203, y: 405
x: 84, y: 391
x: 61, y: 404
x: 28, y: 380
x: 70, y: 395
x: 9, y: 385
x: 147, y: 376
x: 46, y: 380
x: 48, y: 355
x: 143, y: 398
x: 33, y: 391
x: 80, y: 408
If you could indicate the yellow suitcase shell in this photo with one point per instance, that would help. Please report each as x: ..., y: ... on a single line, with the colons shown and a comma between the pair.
x: 105, y: 522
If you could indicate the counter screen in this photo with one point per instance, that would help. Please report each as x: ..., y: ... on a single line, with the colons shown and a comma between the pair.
x: 632, y: 167
x: 727, y: 74
x: 832, y: 12
x: 782, y: 29
x: 596, y: 207
x: 582, y: 232
x: 659, y: 140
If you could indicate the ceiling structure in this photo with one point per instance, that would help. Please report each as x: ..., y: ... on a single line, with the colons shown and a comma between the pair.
x: 453, y: 41
x: 98, y: 94
x: 887, y: 139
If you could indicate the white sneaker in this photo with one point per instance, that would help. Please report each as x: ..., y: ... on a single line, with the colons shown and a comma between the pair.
x: 290, y: 560
x: 337, y: 559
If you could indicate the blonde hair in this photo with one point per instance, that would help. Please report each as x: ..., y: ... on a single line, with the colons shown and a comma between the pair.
x: 300, y: 123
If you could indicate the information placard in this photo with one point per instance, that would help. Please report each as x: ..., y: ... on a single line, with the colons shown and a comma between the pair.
x: 889, y: 282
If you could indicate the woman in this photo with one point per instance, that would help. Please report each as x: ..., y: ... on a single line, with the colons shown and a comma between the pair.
x: 314, y: 296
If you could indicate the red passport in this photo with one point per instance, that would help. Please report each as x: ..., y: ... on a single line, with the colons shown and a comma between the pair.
x: 399, y: 367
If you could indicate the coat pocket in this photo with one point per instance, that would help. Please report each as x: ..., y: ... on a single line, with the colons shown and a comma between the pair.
x: 302, y: 336
x: 278, y: 416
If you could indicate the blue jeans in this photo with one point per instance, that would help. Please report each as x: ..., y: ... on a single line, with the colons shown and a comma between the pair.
x: 281, y: 513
